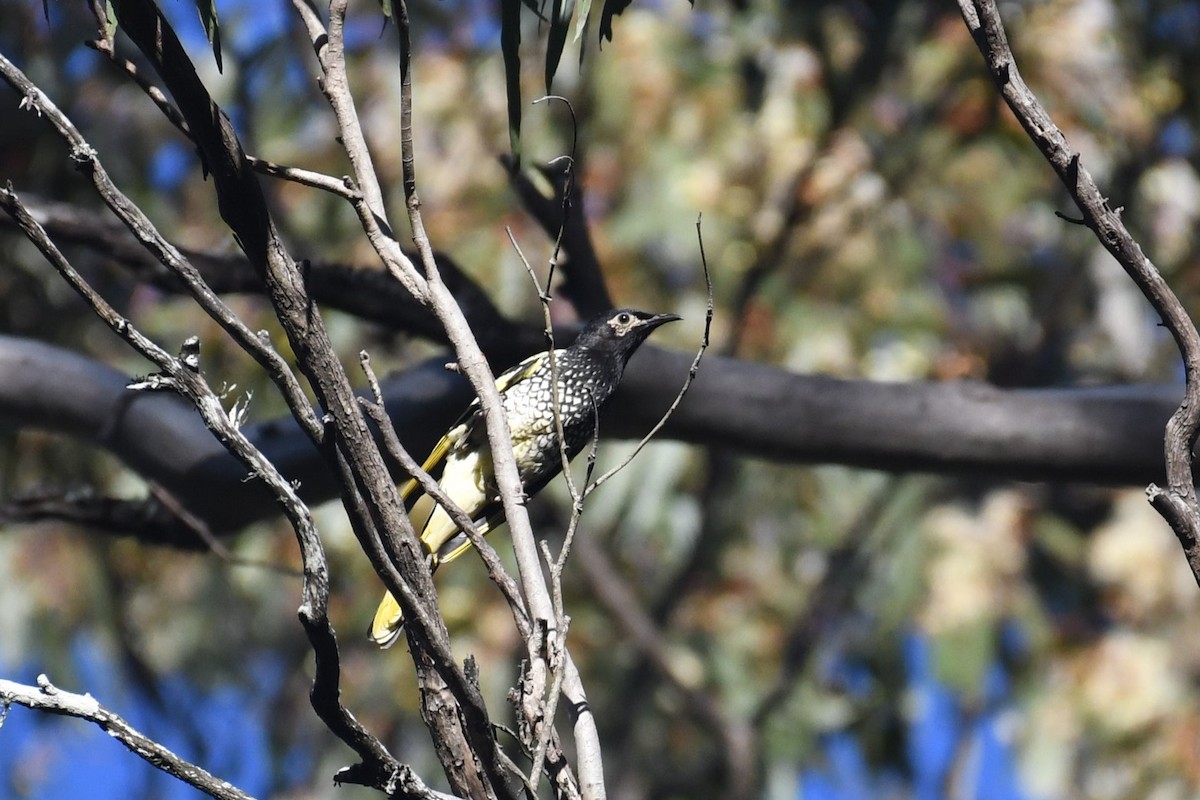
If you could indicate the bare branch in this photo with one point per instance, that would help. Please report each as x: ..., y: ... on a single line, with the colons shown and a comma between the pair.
x: 504, y: 465
x: 47, y: 697
x: 182, y: 375
x: 1178, y: 502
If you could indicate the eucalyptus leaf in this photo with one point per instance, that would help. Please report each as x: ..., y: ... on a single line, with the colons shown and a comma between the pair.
x: 536, y: 7
x: 612, y: 8
x: 585, y: 8
x: 212, y: 28
x: 560, y: 26
x: 510, y: 46
x: 110, y: 23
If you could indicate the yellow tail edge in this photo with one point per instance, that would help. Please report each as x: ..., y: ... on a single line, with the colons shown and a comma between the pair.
x: 388, y: 623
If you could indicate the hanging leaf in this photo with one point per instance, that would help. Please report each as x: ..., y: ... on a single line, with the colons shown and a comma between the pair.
x: 536, y: 7
x: 585, y: 8
x: 208, y: 16
x: 560, y: 25
x: 510, y: 46
x: 612, y: 8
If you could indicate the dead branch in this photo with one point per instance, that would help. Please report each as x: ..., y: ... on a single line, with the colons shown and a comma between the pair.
x: 47, y: 697
x: 183, y: 375
x: 1178, y: 502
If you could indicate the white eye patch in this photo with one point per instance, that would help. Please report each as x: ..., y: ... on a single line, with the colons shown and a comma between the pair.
x: 623, y: 323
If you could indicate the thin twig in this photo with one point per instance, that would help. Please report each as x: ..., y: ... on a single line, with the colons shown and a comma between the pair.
x: 545, y: 297
x: 341, y: 187
x: 687, y: 383
x: 558, y: 663
x: 558, y: 654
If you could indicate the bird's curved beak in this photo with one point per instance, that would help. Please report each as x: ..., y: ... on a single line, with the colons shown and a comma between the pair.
x: 660, y: 319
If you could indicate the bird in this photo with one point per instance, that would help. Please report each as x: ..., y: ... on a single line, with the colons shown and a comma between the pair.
x: 586, y: 374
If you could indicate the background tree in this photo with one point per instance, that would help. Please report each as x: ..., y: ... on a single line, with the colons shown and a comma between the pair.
x: 882, y: 239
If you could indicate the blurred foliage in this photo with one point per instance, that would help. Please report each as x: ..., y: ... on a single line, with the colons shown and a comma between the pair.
x: 870, y: 209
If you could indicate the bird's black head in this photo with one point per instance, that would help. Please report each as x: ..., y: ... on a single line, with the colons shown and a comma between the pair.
x: 621, y: 330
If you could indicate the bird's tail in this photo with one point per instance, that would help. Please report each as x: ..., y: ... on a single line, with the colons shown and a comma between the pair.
x: 388, y: 623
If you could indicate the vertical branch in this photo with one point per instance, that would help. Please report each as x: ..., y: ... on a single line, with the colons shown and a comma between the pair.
x: 375, y: 509
x: 1178, y: 502
x: 507, y: 476
x: 182, y: 375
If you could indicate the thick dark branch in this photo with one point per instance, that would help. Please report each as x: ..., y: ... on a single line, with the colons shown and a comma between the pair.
x: 1178, y: 504
x: 1105, y: 435
x: 369, y: 294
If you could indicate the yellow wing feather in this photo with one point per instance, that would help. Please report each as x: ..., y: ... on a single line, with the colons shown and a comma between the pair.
x: 389, y: 619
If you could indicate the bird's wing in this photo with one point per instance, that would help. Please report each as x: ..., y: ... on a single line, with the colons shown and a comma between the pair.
x: 460, y: 544
x: 465, y: 423
x: 433, y: 462
x: 514, y: 375
x: 462, y: 430
x: 491, y: 513
x: 388, y: 622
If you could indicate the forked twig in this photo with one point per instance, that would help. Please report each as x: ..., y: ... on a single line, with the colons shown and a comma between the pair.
x: 687, y: 383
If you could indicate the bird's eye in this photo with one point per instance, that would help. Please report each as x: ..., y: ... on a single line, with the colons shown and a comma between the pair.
x: 624, y: 318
